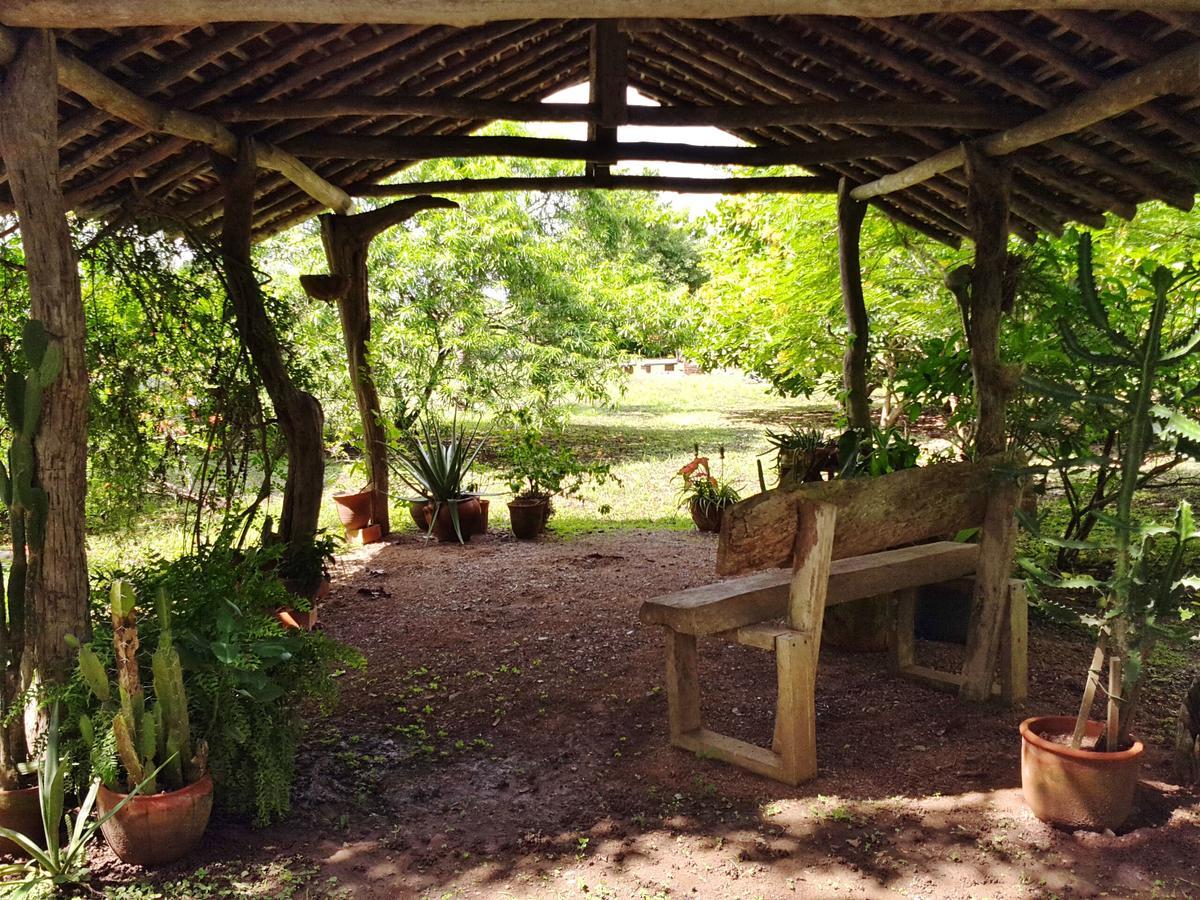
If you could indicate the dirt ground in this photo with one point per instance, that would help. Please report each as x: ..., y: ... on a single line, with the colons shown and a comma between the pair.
x: 508, y: 739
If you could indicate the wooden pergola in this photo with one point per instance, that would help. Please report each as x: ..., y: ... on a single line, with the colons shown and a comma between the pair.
x: 967, y: 119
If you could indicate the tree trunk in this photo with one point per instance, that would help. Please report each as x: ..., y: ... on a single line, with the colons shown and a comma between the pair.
x: 850, y: 215
x: 347, y: 241
x: 29, y: 137
x: 298, y: 412
x: 988, y: 187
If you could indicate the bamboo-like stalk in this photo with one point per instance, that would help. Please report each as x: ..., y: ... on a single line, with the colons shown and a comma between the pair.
x: 1089, y: 691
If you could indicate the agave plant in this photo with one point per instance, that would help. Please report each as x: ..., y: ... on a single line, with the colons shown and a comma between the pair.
x: 436, y: 466
x: 57, y: 863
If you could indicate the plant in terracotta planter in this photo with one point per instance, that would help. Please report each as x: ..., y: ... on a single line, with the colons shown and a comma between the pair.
x: 31, y: 370
x: 537, y: 471
x: 153, y: 743
x: 1076, y: 772
x: 436, y: 467
x: 706, y: 495
x: 803, y: 454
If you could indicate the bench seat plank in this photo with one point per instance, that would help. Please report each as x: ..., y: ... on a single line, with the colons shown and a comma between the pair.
x: 763, y: 596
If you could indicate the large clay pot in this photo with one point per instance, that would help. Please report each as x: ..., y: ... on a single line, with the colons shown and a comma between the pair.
x: 21, y: 812
x: 469, y: 514
x: 157, y: 828
x: 706, y: 516
x: 419, y: 510
x: 354, y: 510
x: 1076, y: 788
x: 528, y: 517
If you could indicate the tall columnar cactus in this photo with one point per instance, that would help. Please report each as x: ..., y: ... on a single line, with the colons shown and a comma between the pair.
x: 1148, y: 583
x: 147, y: 737
x: 30, y: 373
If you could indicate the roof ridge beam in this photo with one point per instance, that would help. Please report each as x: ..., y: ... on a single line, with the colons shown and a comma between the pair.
x: 1178, y: 71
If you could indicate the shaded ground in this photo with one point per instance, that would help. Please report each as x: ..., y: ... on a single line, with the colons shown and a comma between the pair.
x: 509, y: 739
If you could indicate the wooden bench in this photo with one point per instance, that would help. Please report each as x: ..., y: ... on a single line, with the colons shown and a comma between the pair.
x: 847, y: 541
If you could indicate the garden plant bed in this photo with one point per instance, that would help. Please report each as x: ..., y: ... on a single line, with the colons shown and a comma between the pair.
x: 508, y: 738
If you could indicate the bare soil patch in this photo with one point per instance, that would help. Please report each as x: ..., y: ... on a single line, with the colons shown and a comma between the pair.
x: 509, y: 739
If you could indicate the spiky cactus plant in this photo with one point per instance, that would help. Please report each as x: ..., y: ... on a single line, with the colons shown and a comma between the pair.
x: 30, y: 372
x: 1147, y: 586
x: 146, y: 736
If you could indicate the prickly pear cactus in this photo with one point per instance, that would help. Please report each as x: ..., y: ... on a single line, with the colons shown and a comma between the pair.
x: 39, y: 363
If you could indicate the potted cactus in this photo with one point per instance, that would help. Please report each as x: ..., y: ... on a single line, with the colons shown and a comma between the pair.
x: 31, y: 372
x: 169, y: 816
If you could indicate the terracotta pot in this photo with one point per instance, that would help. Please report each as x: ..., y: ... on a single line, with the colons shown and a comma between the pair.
x: 528, y: 517
x: 419, y: 510
x: 21, y: 812
x: 706, y: 517
x: 1076, y: 788
x: 483, y: 515
x: 354, y: 510
x: 325, y: 589
x: 294, y: 618
x: 469, y: 514
x: 157, y: 828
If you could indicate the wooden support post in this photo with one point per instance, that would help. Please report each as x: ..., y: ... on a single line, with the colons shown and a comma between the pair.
x: 1014, y: 648
x: 607, y: 79
x: 850, y: 213
x: 990, y: 602
x: 298, y: 412
x: 29, y: 139
x: 988, y: 187
x: 347, y: 240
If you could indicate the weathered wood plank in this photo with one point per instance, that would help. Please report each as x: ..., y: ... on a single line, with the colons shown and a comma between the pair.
x: 1014, y: 648
x: 795, y: 740
x: 713, y: 745
x: 763, y: 596
x: 125, y: 13
x: 873, y: 514
x: 677, y: 184
x: 902, y: 653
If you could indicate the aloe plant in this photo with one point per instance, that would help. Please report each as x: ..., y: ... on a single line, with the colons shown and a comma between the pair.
x: 436, y: 466
x: 30, y: 373
x: 1147, y: 587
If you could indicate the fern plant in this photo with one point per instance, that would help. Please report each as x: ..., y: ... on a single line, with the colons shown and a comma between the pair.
x: 1146, y: 590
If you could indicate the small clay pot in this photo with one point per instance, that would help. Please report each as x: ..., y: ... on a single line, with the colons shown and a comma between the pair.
x: 294, y: 618
x: 20, y: 811
x: 156, y: 829
x: 469, y: 515
x: 528, y: 517
x: 706, y: 516
x: 1076, y: 788
x: 354, y: 510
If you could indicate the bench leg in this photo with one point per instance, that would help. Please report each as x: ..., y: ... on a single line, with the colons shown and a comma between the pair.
x: 902, y: 649
x: 796, y: 712
x: 1014, y: 647
x: 683, y: 684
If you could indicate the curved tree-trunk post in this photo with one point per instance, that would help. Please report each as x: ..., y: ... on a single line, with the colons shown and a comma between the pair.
x: 850, y: 213
x: 29, y: 138
x: 298, y: 412
x: 983, y: 305
x: 989, y: 183
x: 347, y: 241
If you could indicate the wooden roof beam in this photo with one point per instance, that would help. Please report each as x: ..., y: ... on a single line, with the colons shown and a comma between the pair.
x: 123, y: 13
x: 1175, y: 72
x: 786, y: 184
x: 104, y: 93
x: 608, y: 74
x: 353, y: 146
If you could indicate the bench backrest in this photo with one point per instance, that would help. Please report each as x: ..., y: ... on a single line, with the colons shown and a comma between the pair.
x: 873, y: 514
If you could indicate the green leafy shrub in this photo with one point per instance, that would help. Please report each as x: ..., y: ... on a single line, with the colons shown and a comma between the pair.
x: 251, y: 683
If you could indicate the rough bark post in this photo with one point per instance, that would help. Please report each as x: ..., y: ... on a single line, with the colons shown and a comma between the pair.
x: 29, y: 138
x: 850, y: 213
x: 988, y: 187
x: 298, y: 412
x: 347, y: 241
